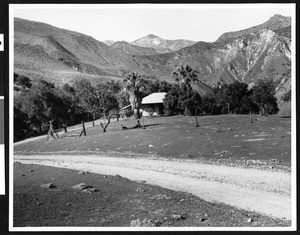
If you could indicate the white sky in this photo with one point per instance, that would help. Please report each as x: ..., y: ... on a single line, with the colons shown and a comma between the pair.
x: 198, y: 22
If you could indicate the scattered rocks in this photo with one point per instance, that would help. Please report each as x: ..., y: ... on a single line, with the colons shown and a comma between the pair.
x: 140, y: 190
x: 161, y: 196
x: 49, y: 185
x: 83, y: 172
x: 144, y: 223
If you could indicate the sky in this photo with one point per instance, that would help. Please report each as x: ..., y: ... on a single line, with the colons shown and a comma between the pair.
x: 197, y: 22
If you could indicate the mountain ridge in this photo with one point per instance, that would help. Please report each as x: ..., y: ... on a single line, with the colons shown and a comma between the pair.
x: 59, y: 55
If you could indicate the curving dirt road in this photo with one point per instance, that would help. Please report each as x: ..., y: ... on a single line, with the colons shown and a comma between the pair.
x: 266, y: 192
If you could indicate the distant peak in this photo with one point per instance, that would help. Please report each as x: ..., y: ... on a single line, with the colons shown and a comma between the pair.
x: 152, y: 36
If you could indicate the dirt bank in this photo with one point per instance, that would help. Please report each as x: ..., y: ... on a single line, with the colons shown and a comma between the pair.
x: 266, y: 192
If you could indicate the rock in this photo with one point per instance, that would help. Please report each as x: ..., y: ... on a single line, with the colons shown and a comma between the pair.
x: 181, y: 200
x: 49, y: 185
x: 31, y: 170
x: 176, y: 217
x: 165, y: 218
x: 89, y: 190
x: 151, y: 145
x: 83, y: 172
x: 105, y: 176
x: 202, y: 219
x: 186, y: 156
x: 85, y: 188
x: 250, y: 220
x: 144, y: 223
x: 206, y: 215
x: 81, y: 186
x: 69, y: 204
x: 22, y: 175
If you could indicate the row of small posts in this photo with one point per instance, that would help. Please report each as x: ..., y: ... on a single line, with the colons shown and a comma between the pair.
x: 53, y: 133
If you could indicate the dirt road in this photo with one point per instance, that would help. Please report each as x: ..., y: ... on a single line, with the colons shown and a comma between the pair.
x: 265, y: 192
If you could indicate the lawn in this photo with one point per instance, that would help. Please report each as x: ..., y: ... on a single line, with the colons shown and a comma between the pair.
x: 218, y: 138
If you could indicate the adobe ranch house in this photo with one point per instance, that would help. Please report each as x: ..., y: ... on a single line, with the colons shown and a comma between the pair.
x: 152, y: 105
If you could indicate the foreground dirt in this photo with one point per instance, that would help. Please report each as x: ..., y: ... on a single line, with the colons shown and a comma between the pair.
x: 265, y: 192
x: 117, y: 201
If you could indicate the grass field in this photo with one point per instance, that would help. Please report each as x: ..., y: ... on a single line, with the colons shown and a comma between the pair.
x: 224, y: 139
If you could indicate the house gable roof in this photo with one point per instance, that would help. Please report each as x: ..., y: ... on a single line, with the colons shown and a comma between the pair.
x: 154, y: 98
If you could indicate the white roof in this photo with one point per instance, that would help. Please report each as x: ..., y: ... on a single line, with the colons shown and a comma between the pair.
x: 154, y: 98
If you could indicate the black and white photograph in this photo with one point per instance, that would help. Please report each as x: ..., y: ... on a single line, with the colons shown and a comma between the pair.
x: 152, y: 117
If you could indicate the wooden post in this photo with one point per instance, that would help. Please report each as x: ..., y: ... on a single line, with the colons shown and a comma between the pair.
x: 65, y: 127
x: 50, y: 131
x: 197, y: 124
x: 83, y: 130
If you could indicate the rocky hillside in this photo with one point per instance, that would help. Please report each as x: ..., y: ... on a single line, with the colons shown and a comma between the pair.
x: 162, y: 45
x: 276, y: 22
x: 43, y: 51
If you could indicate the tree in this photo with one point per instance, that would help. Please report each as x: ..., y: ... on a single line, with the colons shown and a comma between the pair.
x: 189, y: 100
x: 209, y: 105
x: 134, y: 84
x: 171, y: 101
x: 108, y: 105
x: 264, y: 96
x: 185, y: 74
x: 43, y: 103
x: 87, y: 97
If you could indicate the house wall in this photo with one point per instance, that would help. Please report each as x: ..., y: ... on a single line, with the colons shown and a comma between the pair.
x: 152, y: 109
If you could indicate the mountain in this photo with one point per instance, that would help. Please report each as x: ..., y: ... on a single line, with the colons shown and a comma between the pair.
x: 128, y: 48
x: 162, y: 45
x: 42, y: 51
x: 109, y: 42
x: 276, y: 22
x: 59, y: 55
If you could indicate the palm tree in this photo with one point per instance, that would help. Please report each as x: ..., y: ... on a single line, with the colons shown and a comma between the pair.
x: 134, y: 84
x: 185, y: 74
